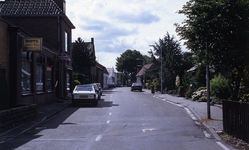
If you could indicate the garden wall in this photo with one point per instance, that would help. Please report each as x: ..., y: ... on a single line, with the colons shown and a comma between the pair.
x: 16, y: 116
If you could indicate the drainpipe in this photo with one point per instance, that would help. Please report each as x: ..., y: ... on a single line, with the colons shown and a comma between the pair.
x: 60, y: 64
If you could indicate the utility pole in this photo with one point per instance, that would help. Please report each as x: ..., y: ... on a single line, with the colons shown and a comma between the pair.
x: 161, y: 70
x: 208, y: 85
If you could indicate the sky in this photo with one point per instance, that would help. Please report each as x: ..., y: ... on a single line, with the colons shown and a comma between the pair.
x: 119, y: 25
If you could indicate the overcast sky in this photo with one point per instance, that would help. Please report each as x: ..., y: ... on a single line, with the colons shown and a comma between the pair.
x: 118, y: 25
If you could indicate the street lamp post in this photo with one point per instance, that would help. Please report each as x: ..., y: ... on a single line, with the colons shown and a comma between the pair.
x: 161, y: 74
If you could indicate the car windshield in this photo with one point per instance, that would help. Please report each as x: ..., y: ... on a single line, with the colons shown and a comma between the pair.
x: 136, y: 84
x: 84, y: 88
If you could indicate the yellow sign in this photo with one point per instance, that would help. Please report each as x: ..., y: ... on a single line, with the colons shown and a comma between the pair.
x: 32, y: 44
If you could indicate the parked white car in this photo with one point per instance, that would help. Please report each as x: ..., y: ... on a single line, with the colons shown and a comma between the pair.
x: 85, y: 94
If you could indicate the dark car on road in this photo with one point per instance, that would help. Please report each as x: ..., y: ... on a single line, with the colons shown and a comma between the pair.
x: 136, y: 86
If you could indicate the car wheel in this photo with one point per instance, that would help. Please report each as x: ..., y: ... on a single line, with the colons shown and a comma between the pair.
x: 140, y: 90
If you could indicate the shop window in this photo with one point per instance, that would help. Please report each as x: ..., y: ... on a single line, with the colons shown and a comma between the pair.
x: 39, y: 72
x: 68, y: 83
x: 49, y: 74
x: 26, y: 72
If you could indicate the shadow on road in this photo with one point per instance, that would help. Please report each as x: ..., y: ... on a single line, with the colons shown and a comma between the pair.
x: 34, y: 133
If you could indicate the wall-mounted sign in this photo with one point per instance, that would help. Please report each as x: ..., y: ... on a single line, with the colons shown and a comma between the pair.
x: 62, y: 57
x: 32, y: 44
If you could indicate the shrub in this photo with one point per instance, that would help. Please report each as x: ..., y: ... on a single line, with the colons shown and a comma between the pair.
x: 182, y: 91
x: 189, y: 93
x: 201, y: 88
x: 219, y: 87
x: 76, y: 82
x: 155, y: 82
x: 147, y: 86
x: 198, y: 94
x: 203, y: 99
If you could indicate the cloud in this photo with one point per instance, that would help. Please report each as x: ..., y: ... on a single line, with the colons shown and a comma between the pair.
x: 140, y: 17
x: 118, y: 25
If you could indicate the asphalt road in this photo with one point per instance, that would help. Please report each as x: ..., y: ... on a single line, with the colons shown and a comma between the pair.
x: 123, y: 120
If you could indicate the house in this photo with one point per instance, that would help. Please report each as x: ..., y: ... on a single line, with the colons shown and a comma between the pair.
x: 112, y: 79
x: 101, y: 73
x: 37, y: 76
x: 142, y: 72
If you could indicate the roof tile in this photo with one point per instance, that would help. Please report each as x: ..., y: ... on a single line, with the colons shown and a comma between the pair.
x: 29, y: 7
x: 143, y: 70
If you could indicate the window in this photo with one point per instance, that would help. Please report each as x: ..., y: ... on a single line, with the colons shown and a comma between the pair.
x: 66, y: 42
x: 49, y: 74
x: 26, y: 72
x: 39, y: 72
x: 68, y: 83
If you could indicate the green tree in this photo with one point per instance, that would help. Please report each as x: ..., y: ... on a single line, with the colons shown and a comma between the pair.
x: 221, y: 27
x: 219, y: 87
x: 127, y: 62
x: 171, y: 59
x: 81, y: 55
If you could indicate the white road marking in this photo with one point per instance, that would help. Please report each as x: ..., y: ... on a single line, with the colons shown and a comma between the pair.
x: 151, y: 129
x: 99, y: 137
x: 108, y: 121
x: 110, y: 113
x: 223, y: 146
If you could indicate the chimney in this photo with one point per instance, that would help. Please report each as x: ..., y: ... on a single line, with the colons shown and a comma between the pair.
x: 92, y: 41
x: 61, y: 4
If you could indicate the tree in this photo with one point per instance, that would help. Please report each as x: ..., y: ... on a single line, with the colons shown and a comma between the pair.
x: 81, y: 56
x: 127, y: 62
x: 171, y: 59
x: 221, y: 27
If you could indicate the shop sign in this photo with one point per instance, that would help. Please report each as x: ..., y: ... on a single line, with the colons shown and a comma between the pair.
x: 32, y: 44
x: 62, y: 57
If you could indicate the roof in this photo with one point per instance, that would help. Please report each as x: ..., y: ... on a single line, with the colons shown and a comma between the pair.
x: 29, y: 7
x: 144, y: 68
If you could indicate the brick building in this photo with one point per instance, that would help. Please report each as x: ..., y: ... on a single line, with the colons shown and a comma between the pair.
x: 4, y: 45
x: 36, y: 77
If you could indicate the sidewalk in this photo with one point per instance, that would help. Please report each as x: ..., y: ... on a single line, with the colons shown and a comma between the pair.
x: 199, y: 109
x: 43, y: 113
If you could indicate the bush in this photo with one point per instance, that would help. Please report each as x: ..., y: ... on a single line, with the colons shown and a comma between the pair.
x: 198, y: 94
x: 155, y: 82
x: 201, y: 88
x: 76, y: 82
x: 147, y: 86
x: 189, y: 93
x: 219, y: 87
x: 182, y: 91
